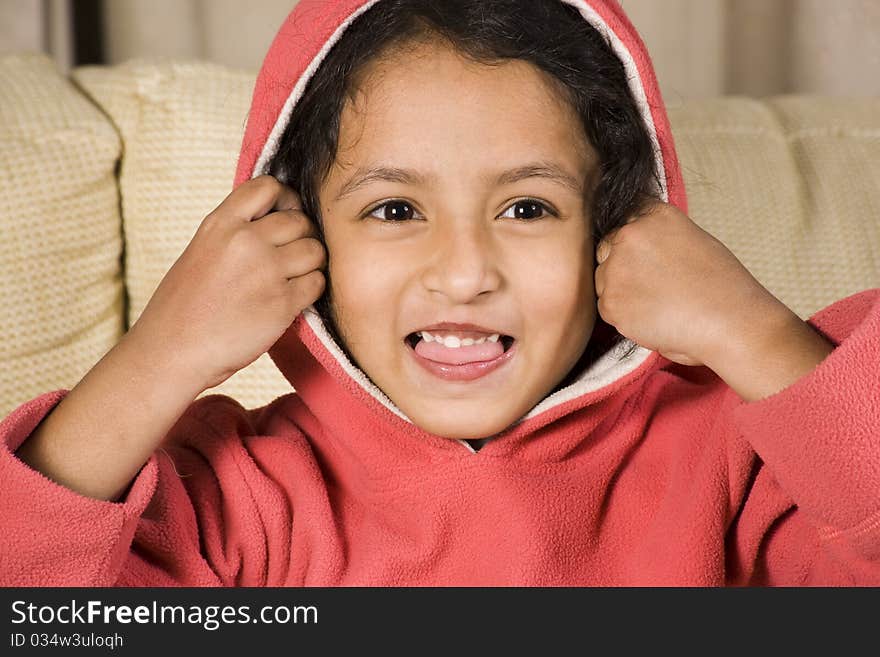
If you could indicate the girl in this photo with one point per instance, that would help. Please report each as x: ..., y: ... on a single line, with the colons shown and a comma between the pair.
x: 459, y: 229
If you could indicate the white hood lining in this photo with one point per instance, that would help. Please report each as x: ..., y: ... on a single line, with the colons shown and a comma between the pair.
x: 609, y: 367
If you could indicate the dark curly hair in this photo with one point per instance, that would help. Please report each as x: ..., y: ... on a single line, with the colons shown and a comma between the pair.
x: 548, y: 33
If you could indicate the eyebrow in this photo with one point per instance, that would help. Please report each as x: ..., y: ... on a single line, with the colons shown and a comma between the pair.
x: 543, y: 169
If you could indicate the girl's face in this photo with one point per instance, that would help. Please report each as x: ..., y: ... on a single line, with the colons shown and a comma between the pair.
x: 462, y: 237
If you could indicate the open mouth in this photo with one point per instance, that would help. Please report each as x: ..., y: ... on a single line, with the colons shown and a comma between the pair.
x: 461, y: 356
x: 413, y: 340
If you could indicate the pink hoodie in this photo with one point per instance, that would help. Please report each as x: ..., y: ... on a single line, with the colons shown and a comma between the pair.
x: 641, y: 472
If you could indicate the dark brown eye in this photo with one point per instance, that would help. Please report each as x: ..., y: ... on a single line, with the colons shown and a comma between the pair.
x: 392, y: 211
x: 528, y: 209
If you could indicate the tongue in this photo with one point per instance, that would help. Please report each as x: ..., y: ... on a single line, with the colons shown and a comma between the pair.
x: 452, y: 356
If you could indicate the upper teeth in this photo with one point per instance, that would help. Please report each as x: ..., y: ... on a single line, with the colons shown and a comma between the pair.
x: 454, y: 342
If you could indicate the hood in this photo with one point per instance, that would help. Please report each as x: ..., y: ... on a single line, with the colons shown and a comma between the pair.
x: 306, y: 354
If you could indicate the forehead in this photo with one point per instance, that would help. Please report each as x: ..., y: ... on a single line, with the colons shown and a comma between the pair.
x: 427, y: 94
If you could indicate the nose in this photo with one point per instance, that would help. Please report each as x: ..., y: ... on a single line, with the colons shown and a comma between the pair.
x: 462, y: 263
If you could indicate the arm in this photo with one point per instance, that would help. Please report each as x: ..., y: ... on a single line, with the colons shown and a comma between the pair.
x: 809, y: 409
x: 53, y: 536
x: 767, y: 350
x: 235, y: 289
x: 171, y: 527
x: 230, y: 295
x: 819, y: 441
x: 104, y: 430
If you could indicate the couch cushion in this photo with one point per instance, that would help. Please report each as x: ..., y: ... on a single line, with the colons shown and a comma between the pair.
x: 181, y: 123
x: 791, y: 185
x: 60, y: 281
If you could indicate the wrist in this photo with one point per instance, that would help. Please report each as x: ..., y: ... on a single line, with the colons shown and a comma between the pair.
x: 162, y: 364
x: 766, y: 351
x: 752, y: 333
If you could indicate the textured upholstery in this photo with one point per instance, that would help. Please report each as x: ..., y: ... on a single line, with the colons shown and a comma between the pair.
x: 61, y: 292
x: 791, y: 184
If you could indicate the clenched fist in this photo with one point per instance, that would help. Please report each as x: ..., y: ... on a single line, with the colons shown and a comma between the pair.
x: 253, y: 265
x: 670, y: 286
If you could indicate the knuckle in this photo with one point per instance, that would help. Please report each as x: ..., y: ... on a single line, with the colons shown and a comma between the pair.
x: 263, y: 186
x: 242, y: 243
x: 211, y: 224
x: 633, y: 233
x: 608, y: 297
x: 265, y: 181
x: 316, y: 283
x: 315, y: 249
x: 308, y: 289
x: 305, y: 224
x: 296, y: 219
x: 213, y: 216
x: 624, y: 232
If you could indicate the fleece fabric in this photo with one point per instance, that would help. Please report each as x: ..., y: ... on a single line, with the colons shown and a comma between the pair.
x: 641, y: 472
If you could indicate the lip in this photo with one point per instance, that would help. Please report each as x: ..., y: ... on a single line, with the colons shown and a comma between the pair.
x: 454, y: 326
x: 467, y: 371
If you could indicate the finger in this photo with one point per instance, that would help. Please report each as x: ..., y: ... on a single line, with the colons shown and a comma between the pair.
x: 599, y: 278
x: 307, y: 289
x: 602, y: 252
x: 283, y: 227
x: 257, y: 197
x: 302, y: 256
x: 602, y: 308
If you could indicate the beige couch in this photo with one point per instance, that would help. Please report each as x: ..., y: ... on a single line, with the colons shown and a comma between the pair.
x: 105, y: 175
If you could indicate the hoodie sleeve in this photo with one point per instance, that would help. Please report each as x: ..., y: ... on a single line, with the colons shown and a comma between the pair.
x: 52, y: 535
x: 173, y: 526
x: 812, y: 515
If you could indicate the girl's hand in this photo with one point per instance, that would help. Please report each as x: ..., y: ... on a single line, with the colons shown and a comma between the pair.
x: 670, y: 286
x: 251, y: 268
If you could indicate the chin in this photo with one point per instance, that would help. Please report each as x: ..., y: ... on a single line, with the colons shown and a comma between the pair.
x: 467, y: 421
x: 462, y: 429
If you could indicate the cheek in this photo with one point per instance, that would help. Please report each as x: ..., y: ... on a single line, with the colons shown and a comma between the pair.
x: 364, y: 284
x: 558, y: 279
